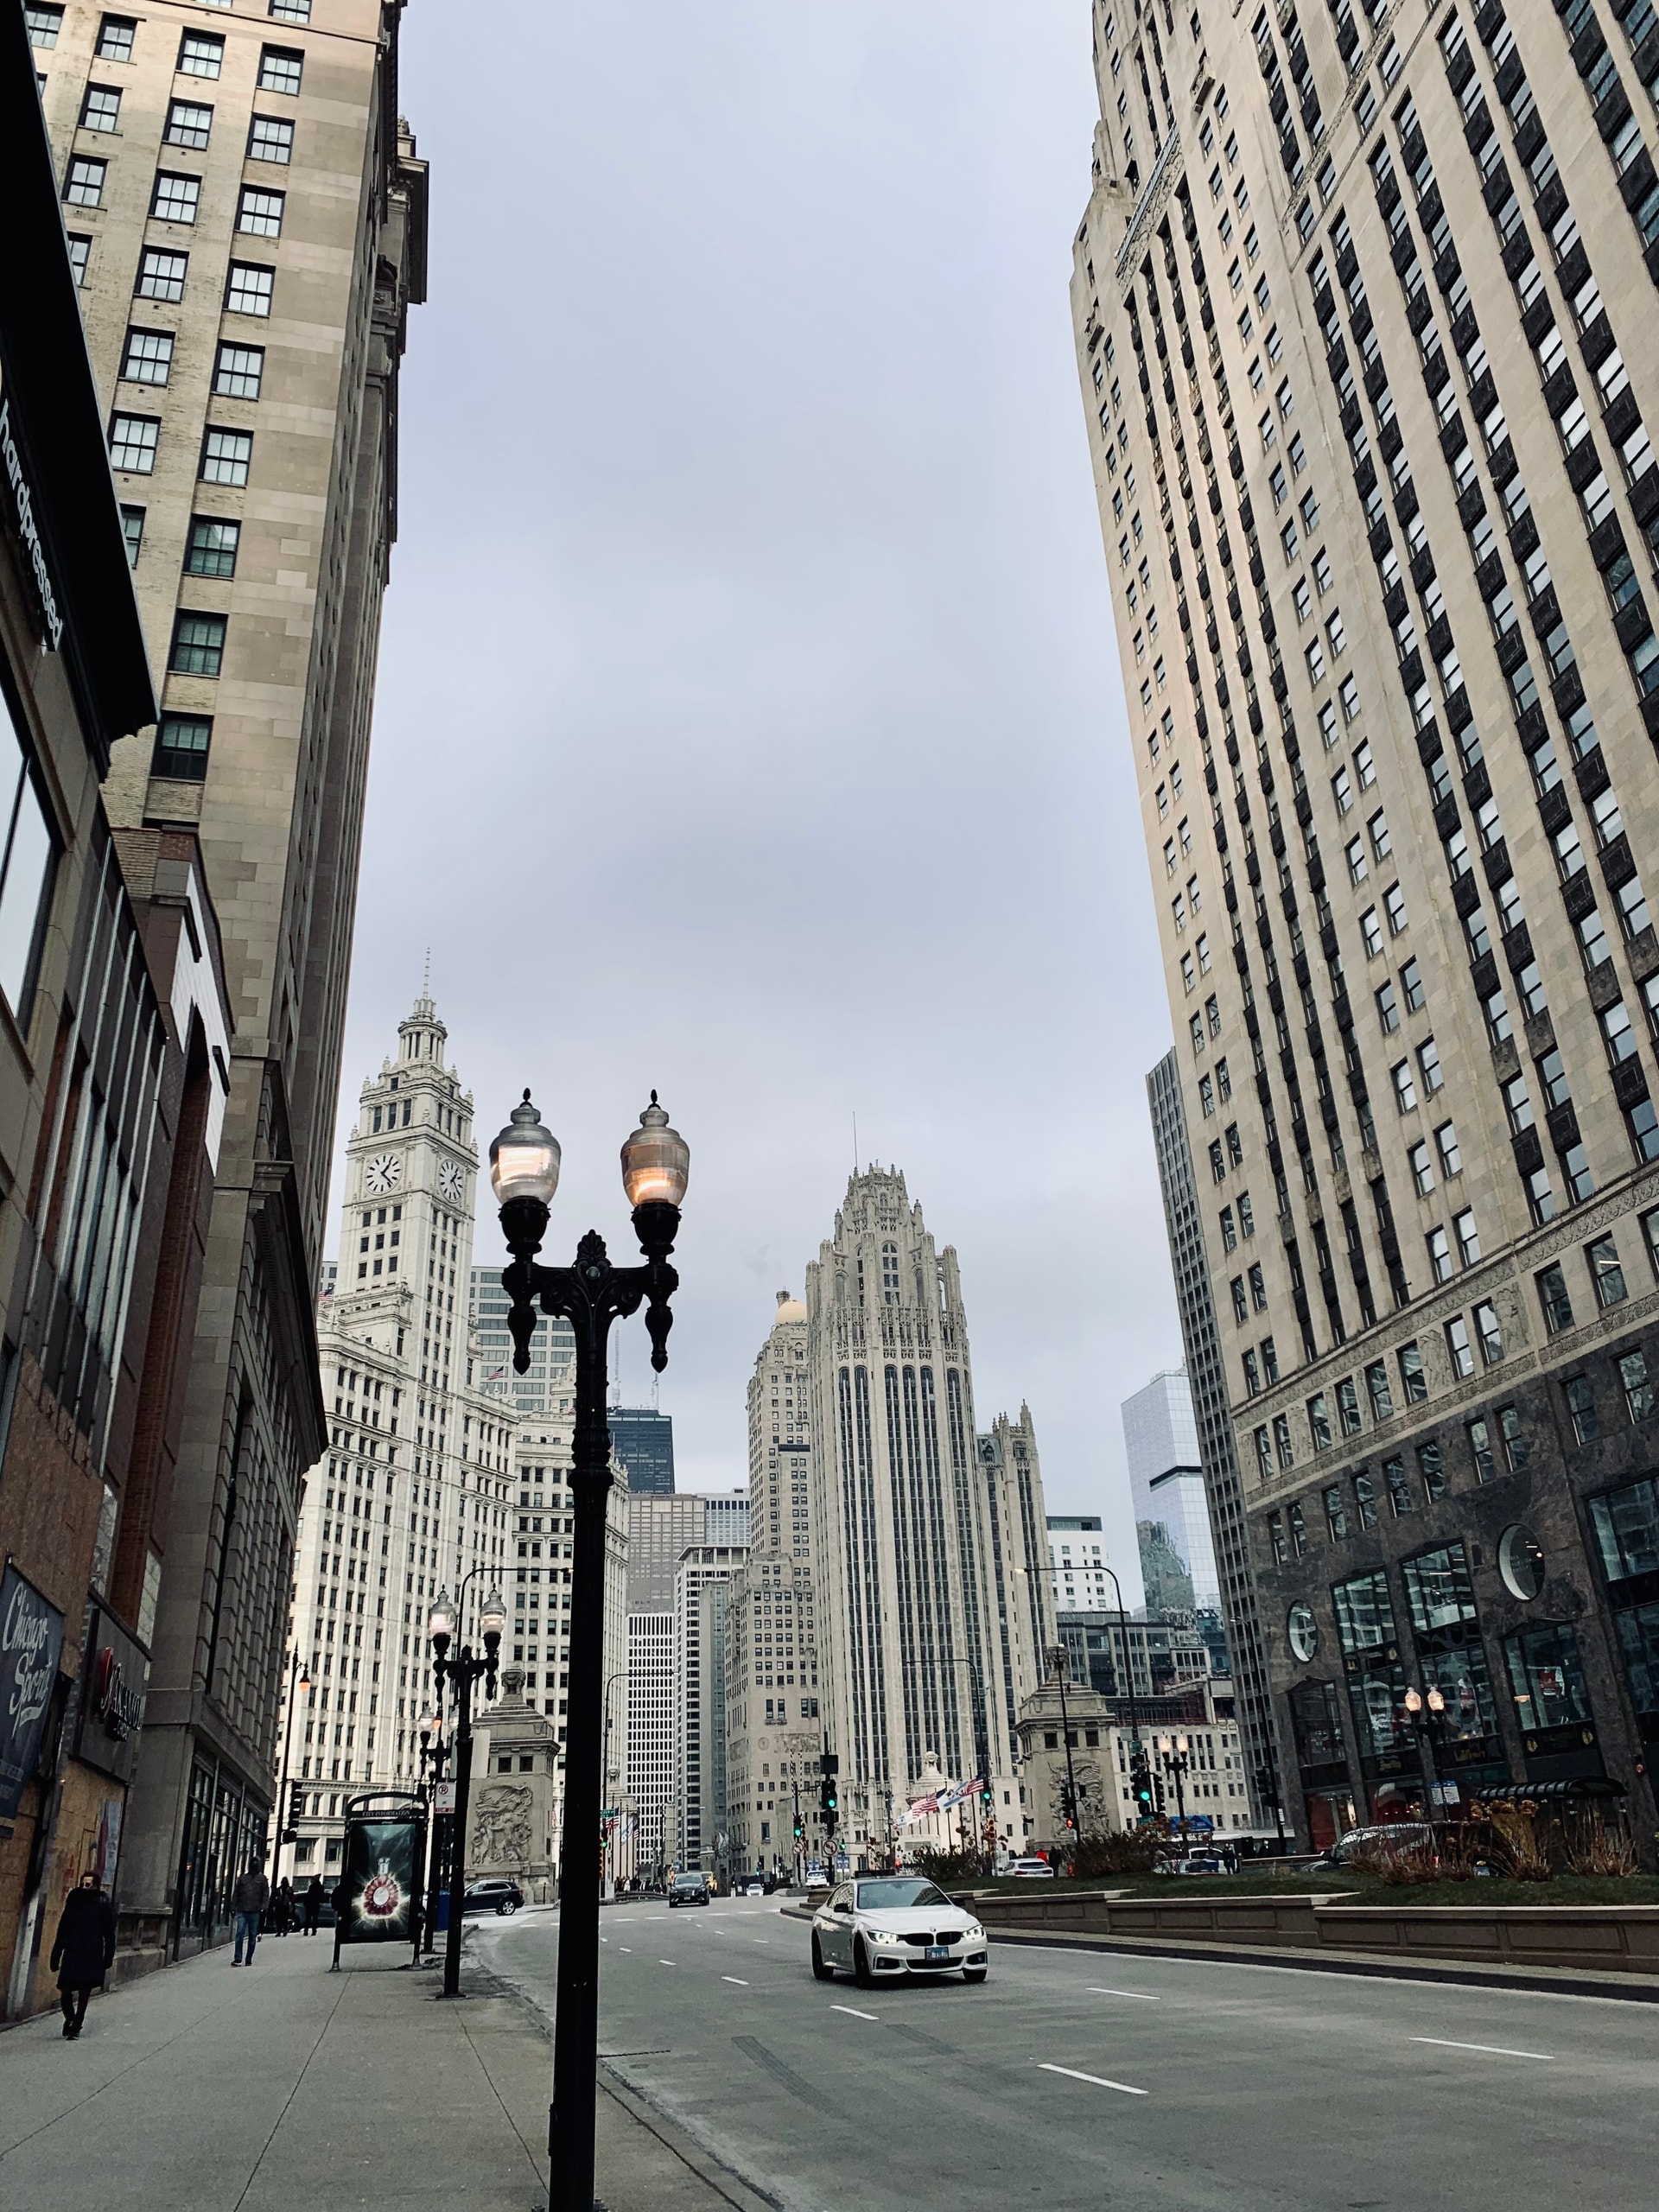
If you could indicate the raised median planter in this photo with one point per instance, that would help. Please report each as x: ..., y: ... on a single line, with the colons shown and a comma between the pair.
x: 1615, y: 1938
x: 1611, y: 1938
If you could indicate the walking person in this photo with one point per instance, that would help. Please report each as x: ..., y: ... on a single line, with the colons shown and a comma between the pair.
x: 82, y: 1950
x: 248, y: 1901
x: 314, y: 1905
x: 281, y: 1907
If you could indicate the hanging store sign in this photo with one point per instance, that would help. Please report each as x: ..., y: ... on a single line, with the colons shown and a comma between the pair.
x: 28, y: 530
x: 31, y: 1639
x: 114, y: 1683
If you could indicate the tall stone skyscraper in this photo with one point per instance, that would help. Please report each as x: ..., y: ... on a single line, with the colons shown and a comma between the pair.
x: 1364, y: 305
x: 928, y: 1571
x: 415, y: 1492
x: 246, y: 216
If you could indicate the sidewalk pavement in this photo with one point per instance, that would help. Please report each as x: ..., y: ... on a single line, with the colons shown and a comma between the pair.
x: 282, y: 2088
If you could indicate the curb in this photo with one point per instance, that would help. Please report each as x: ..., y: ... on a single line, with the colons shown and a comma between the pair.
x: 1628, y: 1989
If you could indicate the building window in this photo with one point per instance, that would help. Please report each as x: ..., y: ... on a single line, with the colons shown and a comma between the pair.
x: 211, y: 548
x: 1633, y: 1381
x: 1440, y: 1255
x: 1430, y: 1468
x: 1405, y: 1089
x: 181, y: 742
x: 1606, y: 1273
x: 1377, y: 1386
x: 1515, y: 1452
x: 84, y: 184
x: 197, y: 645
x: 1412, y: 1382
x: 1281, y: 1439
x: 280, y: 69
x: 176, y: 197
x: 148, y: 357
x: 188, y: 123
x: 1336, y: 1514
x: 101, y: 108
x: 1400, y: 1497
x: 1487, y: 1329
x: 44, y: 23
x: 291, y: 11
x: 1459, y: 1349
x: 132, y: 529
x: 132, y: 444
x: 81, y: 249
x: 249, y: 290
x: 25, y: 876
x: 115, y: 37
x: 238, y: 371
x: 1263, y: 1454
x: 260, y: 212
x: 160, y: 275
x: 1318, y: 1422
x: 1552, y: 1297
x: 226, y: 455
x: 1581, y: 1405
x: 1468, y: 1237
x: 202, y: 53
x: 271, y: 139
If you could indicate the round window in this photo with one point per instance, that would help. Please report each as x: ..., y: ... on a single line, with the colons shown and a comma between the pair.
x: 1521, y: 1562
x: 1303, y: 1631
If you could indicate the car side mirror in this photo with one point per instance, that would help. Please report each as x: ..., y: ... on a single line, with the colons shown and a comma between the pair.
x: 843, y: 1907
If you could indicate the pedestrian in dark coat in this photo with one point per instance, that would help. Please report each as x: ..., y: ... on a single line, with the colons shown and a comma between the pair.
x: 314, y: 1904
x: 82, y: 1950
x: 281, y: 1907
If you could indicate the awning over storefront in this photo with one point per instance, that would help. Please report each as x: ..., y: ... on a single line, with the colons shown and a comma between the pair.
x: 1577, y: 1785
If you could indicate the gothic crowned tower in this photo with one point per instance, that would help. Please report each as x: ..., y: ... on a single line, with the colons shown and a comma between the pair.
x: 413, y: 1493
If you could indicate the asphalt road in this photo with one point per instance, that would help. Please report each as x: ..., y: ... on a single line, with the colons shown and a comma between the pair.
x: 1081, y: 2079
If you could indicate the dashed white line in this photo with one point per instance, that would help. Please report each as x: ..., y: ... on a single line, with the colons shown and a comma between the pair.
x: 735, y: 1979
x: 625, y: 1946
x: 854, y: 2012
x: 1494, y: 2049
x: 1144, y: 1996
x: 664, y: 1962
x: 1099, y: 2081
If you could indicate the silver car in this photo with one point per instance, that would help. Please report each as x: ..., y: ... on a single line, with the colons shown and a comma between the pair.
x: 887, y: 1927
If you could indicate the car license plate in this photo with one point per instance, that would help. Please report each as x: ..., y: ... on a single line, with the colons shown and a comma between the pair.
x: 938, y: 1950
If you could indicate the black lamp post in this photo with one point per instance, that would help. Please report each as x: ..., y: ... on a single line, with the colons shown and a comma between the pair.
x: 1425, y: 1712
x: 1173, y: 1751
x: 434, y: 1754
x: 299, y: 1678
x: 982, y: 1751
x: 524, y: 1169
x: 463, y: 1670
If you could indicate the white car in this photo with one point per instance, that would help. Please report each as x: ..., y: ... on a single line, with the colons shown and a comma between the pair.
x: 1031, y: 1870
x: 882, y: 1927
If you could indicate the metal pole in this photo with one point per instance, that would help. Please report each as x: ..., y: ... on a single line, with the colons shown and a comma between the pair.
x: 463, y: 1682
x: 282, y: 1787
x: 575, y: 2038
x: 1061, y: 1662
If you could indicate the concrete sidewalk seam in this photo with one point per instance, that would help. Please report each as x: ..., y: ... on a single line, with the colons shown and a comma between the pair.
x: 287, y: 2101
x: 478, y: 2059
x: 1629, y: 1990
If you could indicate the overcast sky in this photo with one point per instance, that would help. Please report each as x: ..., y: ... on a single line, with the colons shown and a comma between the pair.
x: 749, y: 721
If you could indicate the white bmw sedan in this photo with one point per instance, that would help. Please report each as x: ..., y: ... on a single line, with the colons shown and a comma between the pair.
x: 880, y: 1926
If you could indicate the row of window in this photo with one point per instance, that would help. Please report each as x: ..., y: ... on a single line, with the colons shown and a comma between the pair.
x: 135, y: 440
x: 202, y: 53
x: 147, y: 357
x: 189, y: 124
x: 176, y: 197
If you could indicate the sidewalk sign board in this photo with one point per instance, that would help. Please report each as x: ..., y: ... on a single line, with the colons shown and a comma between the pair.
x: 378, y: 1899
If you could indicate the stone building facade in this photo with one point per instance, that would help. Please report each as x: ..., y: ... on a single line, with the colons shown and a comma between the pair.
x: 1363, y: 301
x: 246, y: 216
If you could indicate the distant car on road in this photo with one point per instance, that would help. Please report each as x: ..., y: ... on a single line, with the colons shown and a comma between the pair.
x: 1388, y: 1836
x: 889, y: 1927
x: 498, y: 1896
x: 815, y: 1878
x: 1033, y: 1870
x: 750, y: 1885
x: 1199, y: 1862
x: 688, y: 1888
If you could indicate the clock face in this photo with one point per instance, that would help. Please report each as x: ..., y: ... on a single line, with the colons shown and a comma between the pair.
x: 384, y: 1173
x: 449, y: 1180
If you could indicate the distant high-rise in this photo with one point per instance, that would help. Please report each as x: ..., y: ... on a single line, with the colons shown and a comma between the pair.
x: 1365, y: 312
x: 642, y: 1442
x: 1172, y: 1514
x: 1078, y: 1563
x: 925, y: 1632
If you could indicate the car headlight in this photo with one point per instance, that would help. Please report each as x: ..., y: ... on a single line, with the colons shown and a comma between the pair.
x: 883, y: 1936
x: 973, y: 1933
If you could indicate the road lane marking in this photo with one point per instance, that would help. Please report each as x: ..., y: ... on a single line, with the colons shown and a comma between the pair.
x: 1144, y: 1996
x: 855, y: 2012
x: 734, y: 1979
x: 1099, y: 2081
x: 625, y: 1946
x: 1495, y: 2050
x: 664, y: 1962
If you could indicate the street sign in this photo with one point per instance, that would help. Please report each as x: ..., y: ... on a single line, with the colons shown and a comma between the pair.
x: 443, y: 1798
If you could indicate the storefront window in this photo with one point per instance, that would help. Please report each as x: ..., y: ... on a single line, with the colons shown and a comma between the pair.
x: 1637, y: 1627
x: 1437, y: 1586
x: 1546, y: 1678
x: 1316, y: 1716
x: 26, y: 868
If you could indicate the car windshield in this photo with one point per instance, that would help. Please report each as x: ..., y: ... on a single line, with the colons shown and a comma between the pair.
x: 689, y: 1882
x: 894, y: 1895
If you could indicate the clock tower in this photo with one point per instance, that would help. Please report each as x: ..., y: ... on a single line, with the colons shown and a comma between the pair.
x: 413, y: 1494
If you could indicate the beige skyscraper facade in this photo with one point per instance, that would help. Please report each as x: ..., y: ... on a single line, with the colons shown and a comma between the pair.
x: 1365, y: 312
x: 929, y: 1567
x: 247, y: 217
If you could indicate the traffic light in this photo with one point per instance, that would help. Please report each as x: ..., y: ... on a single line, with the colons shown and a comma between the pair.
x: 828, y: 1804
x: 1142, y: 1780
x: 296, y: 1808
x: 800, y: 1827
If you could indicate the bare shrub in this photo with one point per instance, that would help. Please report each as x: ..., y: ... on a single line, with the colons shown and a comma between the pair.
x: 1590, y: 1846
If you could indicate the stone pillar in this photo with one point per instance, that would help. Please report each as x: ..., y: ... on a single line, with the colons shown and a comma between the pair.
x: 512, y: 1826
